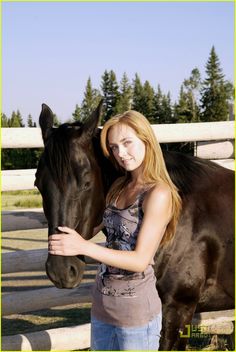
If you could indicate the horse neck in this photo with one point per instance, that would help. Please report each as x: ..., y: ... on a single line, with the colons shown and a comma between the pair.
x: 108, y: 171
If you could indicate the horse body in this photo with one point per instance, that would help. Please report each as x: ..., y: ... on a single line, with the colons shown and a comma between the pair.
x: 194, y: 272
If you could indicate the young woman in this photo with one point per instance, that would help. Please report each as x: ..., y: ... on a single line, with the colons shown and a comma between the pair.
x: 141, y: 214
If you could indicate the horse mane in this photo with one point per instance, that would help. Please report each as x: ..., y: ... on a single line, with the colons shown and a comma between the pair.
x: 109, y: 172
x: 187, y: 171
x: 57, y: 154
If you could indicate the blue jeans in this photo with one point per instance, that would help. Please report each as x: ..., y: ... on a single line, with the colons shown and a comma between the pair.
x: 107, y: 337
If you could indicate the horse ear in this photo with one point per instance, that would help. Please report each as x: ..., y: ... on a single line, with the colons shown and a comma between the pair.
x: 46, y: 121
x: 93, y: 121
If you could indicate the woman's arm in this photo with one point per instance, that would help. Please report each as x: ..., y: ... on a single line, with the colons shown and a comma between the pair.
x: 157, y: 213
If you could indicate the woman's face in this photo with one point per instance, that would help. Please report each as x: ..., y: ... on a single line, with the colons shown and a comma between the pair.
x: 127, y: 148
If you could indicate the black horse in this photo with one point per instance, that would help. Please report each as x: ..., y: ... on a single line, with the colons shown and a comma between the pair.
x: 195, y: 272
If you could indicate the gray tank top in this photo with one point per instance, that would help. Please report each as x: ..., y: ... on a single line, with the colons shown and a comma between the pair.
x: 121, y: 297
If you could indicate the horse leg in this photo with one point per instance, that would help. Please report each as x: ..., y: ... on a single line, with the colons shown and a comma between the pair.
x: 176, y: 319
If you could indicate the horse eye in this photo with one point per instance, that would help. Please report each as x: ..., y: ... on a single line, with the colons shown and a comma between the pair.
x: 86, y: 186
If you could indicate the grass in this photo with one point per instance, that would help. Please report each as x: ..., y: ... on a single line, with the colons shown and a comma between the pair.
x: 46, y: 319
x: 28, y: 203
x: 19, y: 193
x: 12, y: 200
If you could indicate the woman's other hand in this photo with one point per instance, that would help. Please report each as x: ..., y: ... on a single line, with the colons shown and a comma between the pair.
x: 67, y: 243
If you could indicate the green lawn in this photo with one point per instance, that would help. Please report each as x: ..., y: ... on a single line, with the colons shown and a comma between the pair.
x: 21, y: 199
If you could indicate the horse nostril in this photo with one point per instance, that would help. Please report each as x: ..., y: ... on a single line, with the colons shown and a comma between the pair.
x: 72, y: 272
x: 51, y: 273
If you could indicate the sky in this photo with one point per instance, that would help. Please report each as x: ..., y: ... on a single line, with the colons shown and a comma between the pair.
x: 49, y: 50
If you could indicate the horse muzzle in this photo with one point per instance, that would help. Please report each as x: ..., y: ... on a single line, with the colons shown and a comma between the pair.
x: 64, y: 272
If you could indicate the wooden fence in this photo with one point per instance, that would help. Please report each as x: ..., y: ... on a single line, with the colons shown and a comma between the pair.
x: 166, y: 133
x: 75, y: 337
x: 221, y: 150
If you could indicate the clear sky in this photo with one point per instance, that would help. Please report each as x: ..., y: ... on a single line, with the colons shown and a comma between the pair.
x: 50, y: 49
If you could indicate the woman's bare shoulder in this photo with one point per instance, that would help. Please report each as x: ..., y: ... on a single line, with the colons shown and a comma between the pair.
x: 157, y: 194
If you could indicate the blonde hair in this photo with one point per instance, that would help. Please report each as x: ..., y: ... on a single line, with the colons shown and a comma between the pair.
x: 154, y: 168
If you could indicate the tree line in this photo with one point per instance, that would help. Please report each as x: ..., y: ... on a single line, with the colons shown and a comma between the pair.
x: 200, y: 100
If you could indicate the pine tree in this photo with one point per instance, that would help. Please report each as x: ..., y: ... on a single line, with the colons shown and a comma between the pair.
x: 110, y: 93
x: 187, y: 108
x: 87, y: 103
x: 30, y: 121
x: 192, y: 86
x: 56, y: 121
x: 4, y: 120
x: 114, y: 91
x: 105, y: 88
x: 16, y: 119
x: 166, y: 109
x: 157, y: 107
x: 148, y: 101
x: 182, y: 110
x: 230, y: 91
x: 77, y: 113
x: 19, y: 117
x: 90, y: 101
x: 125, y: 95
x: 183, y: 113
x: 214, y: 98
x: 13, y: 122
x: 97, y: 96
x: 137, y: 103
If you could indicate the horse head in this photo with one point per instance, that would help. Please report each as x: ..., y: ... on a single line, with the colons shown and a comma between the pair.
x: 70, y: 182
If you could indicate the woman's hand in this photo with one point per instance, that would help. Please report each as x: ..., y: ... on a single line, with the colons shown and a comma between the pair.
x: 68, y: 243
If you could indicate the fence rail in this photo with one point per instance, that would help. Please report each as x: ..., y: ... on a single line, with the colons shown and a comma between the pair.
x: 22, y: 261
x: 166, y: 133
x: 13, y: 180
x: 60, y: 339
x: 220, y: 134
x: 29, y: 301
